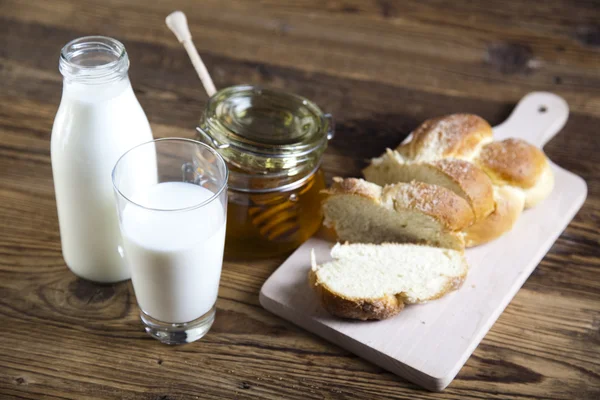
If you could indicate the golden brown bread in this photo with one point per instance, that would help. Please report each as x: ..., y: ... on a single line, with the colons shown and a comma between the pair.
x: 437, y: 202
x: 509, y: 204
x: 512, y: 164
x: 516, y: 163
x: 476, y: 186
x: 450, y: 136
x: 459, y: 176
x: 457, y: 188
x: 416, y: 212
x: 355, y: 186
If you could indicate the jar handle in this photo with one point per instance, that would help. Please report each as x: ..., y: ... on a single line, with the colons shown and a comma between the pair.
x: 331, y: 126
x: 210, y: 140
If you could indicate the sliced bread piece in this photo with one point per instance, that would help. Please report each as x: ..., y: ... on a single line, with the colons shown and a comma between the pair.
x: 366, y: 281
x: 459, y: 176
x: 363, y: 212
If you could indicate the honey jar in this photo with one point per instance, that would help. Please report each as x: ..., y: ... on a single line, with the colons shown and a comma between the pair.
x: 273, y: 142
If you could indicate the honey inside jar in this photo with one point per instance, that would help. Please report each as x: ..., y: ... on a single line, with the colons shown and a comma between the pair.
x: 272, y: 142
x: 273, y: 223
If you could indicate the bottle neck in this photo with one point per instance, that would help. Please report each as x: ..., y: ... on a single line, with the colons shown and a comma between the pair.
x: 93, y: 60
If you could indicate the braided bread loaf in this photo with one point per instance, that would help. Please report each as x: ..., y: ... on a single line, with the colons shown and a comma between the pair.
x: 451, y: 186
x: 497, y: 178
x: 451, y: 164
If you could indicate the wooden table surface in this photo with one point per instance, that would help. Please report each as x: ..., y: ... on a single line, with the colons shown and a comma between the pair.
x: 380, y: 67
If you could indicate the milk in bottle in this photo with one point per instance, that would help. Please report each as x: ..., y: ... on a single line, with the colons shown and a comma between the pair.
x: 99, y: 118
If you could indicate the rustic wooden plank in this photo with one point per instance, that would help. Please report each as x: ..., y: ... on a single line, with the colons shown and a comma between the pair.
x: 462, y: 51
x: 381, y: 67
x: 377, y: 121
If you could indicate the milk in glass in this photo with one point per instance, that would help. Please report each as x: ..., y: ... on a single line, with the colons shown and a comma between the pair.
x: 175, y: 256
x: 173, y: 233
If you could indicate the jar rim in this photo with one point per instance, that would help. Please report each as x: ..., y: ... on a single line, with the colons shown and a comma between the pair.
x: 220, y: 116
x: 265, y: 129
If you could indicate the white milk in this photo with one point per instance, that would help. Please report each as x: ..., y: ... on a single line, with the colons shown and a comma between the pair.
x: 175, y: 256
x: 99, y: 118
x: 94, y: 126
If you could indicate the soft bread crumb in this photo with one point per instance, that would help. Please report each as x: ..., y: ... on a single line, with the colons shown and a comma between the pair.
x: 397, y: 215
x: 380, y: 278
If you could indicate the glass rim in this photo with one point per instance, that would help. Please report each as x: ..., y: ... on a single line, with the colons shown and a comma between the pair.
x: 216, y: 194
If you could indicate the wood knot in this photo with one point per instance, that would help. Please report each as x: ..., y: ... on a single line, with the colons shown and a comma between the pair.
x: 89, y: 292
x: 588, y: 35
x: 350, y: 10
x: 385, y: 8
x: 503, y: 371
x: 245, y: 385
x: 20, y: 381
x: 234, y: 322
x: 73, y: 299
x: 509, y: 58
x: 285, y: 28
x: 264, y: 71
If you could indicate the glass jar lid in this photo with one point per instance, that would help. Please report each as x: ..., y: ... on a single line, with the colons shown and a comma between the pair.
x: 266, y: 131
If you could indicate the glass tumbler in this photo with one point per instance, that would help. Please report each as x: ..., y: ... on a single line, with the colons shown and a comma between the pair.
x: 172, y: 203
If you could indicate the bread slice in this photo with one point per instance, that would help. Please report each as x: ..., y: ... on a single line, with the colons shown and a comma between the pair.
x: 363, y: 212
x: 366, y: 281
x: 459, y: 176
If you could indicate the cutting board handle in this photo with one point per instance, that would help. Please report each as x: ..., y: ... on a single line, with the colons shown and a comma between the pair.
x: 537, y: 118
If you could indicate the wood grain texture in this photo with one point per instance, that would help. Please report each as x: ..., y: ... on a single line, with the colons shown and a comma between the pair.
x: 380, y: 67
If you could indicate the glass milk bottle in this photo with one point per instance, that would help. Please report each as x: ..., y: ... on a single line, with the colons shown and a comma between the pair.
x: 98, y: 120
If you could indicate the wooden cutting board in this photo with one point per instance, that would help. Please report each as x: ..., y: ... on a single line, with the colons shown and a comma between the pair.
x: 429, y: 343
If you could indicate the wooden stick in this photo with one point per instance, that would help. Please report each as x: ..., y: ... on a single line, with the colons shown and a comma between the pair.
x: 177, y: 23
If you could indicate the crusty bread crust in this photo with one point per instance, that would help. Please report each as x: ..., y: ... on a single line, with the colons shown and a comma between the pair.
x: 509, y: 205
x: 459, y: 176
x: 355, y: 186
x: 512, y: 162
x: 507, y: 164
x: 361, y: 309
x: 476, y: 185
x: 443, y: 207
x: 455, y: 135
x: 438, y: 202
x: 350, y: 217
x: 370, y: 309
